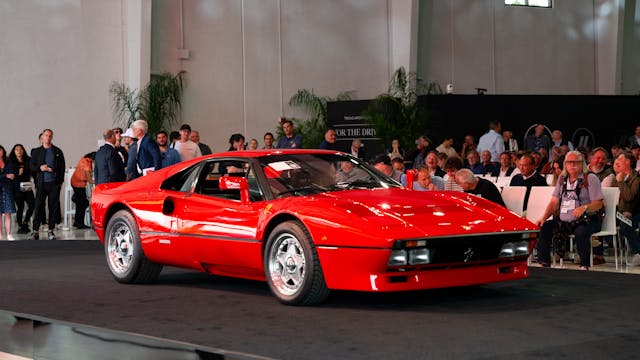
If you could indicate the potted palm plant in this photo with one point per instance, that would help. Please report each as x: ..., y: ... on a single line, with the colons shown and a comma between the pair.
x: 314, y: 127
x: 159, y: 102
x: 397, y: 114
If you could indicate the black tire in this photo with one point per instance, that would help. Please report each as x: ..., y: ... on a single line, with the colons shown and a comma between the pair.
x: 292, y: 267
x: 123, y: 251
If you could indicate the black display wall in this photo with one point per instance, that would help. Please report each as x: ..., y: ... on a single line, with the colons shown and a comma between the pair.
x: 584, y: 119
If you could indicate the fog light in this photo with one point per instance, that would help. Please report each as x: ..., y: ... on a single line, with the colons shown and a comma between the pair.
x: 397, y: 257
x: 419, y: 256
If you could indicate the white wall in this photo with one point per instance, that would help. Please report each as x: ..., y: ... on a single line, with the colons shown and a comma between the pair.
x: 571, y: 48
x: 249, y: 57
x: 57, y: 59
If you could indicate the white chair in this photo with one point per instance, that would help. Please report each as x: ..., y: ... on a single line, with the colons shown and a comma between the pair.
x: 549, y: 178
x: 539, y: 198
x: 503, y: 181
x: 609, y: 227
x: 513, y: 197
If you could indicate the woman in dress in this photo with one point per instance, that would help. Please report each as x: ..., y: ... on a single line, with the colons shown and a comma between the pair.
x: 7, y: 206
x: 22, y: 193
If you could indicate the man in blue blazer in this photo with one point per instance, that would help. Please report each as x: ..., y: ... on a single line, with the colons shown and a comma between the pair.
x: 148, y: 157
x: 108, y: 163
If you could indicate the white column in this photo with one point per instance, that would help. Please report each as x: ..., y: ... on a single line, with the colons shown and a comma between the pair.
x: 403, y: 35
x: 137, y: 33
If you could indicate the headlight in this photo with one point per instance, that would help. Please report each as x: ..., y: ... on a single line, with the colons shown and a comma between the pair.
x: 512, y: 249
x: 398, y: 257
x: 409, y: 257
x: 419, y: 256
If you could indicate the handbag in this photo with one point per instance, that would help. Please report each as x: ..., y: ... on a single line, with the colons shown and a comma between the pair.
x: 26, y: 186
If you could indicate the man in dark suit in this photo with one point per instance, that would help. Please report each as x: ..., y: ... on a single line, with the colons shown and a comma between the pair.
x: 148, y: 156
x: 48, y: 167
x: 108, y: 164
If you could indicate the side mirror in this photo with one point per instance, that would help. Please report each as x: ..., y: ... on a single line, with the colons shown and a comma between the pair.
x: 411, y: 175
x: 236, y: 183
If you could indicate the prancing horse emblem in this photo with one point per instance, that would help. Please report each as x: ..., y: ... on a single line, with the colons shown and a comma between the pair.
x: 468, y: 254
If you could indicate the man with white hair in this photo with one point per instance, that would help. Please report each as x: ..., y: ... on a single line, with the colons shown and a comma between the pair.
x: 148, y: 157
x: 478, y: 186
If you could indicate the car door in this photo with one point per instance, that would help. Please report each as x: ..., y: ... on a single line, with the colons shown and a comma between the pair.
x: 219, y: 226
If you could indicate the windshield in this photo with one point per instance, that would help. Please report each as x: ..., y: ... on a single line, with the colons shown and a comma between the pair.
x: 305, y: 174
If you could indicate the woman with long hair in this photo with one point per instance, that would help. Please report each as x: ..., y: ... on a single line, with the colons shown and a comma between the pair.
x: 7, y: 206
x: 23, y: 193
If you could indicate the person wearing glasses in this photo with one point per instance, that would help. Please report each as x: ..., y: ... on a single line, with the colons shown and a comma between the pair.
x: 575, y: 204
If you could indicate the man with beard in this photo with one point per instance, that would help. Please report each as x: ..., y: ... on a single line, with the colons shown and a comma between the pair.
x: 168, y: 154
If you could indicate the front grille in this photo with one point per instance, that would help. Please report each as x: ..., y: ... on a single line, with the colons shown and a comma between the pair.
x: 450, y: 250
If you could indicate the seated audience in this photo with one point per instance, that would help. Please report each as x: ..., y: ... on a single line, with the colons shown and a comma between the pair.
x: 425, y: 182
x: 478, y: 186
x: 528, y: 176
x: 349, y: 173
x: 628, y: 180
x: 505, y: 169
x: 383, y: 164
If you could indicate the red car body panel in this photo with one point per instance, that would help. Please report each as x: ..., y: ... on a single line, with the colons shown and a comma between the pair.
x: 354, y: 231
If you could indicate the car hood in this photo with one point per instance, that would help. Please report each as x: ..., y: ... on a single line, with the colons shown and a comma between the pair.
x: 409, y: 213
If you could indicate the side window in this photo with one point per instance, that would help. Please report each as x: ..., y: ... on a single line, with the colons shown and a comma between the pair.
x: 182, y: 181
x: 208, y: 183
x: 254, y: 188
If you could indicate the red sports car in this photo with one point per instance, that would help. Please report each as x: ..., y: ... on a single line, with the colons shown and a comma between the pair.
x: 306, y: 221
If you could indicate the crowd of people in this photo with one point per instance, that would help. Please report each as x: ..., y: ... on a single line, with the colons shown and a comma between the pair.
x: 127, y: 155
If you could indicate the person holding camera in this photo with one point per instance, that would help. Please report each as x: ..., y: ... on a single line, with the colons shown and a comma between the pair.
x: 576, y: 205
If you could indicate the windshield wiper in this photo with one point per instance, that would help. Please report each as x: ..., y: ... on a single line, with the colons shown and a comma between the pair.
x: 359, y: 183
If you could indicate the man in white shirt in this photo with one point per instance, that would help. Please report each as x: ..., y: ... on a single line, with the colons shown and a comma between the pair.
x: 186, y: 148
x: 492, y: 141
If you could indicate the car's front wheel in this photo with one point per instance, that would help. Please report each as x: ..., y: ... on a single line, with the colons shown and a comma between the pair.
x: 123, y: 251
x: 292, y: 266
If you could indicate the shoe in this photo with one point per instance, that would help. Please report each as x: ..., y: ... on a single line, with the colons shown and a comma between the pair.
x: 51, y: 236
x: 583, y: 268
x: 23, y: 230
x: 35, y: 236
x: 635, y: 260
x: 10, y: 237
x: 544, y: 265
x: 599, y: 260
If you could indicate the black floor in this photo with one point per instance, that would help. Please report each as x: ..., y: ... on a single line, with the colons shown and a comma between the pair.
x: 79, y: 309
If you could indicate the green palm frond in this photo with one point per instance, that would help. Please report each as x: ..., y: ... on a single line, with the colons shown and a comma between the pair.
x: 124, y: 104
x: 396, y: 114
x: 159, y: 103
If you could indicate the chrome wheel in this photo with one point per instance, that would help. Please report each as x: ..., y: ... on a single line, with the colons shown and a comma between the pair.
x: 124, y: 253
x: 292, y: 267
x: 287, y: 264
x: 120, y: 248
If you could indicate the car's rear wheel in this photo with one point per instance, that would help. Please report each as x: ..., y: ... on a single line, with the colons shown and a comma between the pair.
x: 292, y: 266
x: 123, y: 251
